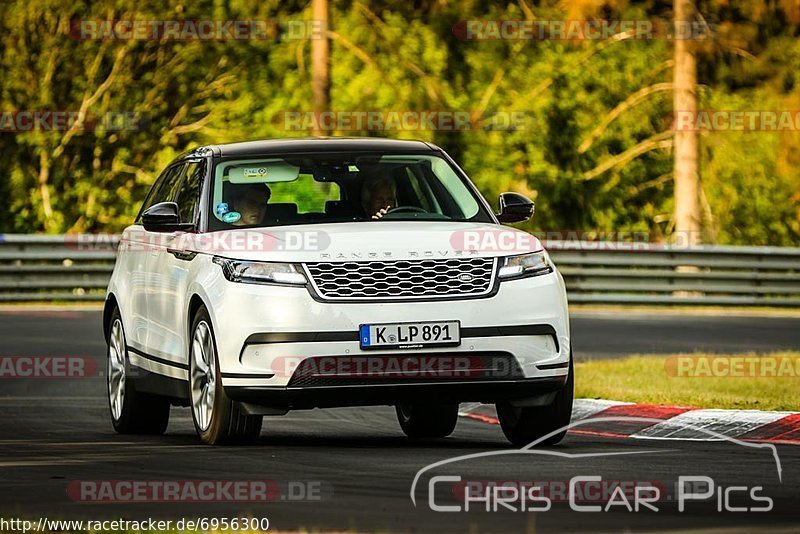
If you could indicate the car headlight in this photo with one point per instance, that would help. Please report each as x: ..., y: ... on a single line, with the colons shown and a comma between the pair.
x: 533, y: 264
x: 258, y: 272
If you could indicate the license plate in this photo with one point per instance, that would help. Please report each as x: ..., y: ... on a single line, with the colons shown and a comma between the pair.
x: 410, y: 335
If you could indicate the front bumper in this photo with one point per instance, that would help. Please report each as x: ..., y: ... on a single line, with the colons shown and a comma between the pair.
x: 291, y: 398
x: 264, y: 333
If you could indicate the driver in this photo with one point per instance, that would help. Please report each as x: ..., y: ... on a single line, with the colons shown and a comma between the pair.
x: 378, y: 196
x: 251, y: 202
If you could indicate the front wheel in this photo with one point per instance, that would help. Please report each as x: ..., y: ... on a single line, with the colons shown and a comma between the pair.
x: 132, y: 412
x: 427, y: 420
x: 524, y: 425
x: 217, y: 419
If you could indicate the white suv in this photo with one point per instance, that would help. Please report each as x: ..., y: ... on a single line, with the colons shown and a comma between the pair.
x: 268, y: 276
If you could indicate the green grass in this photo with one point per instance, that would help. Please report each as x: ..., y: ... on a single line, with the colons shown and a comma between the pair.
x: 652, y: 380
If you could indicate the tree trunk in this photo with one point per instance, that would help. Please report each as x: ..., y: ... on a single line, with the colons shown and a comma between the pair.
x: 320, y: 59
x: 43, y: 180
x: 687, y: 180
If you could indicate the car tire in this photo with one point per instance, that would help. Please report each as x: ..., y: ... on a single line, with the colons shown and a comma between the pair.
x: 218, y: 420
x: 132, y: 412
x: 525, y: 425
x: 427, y: 420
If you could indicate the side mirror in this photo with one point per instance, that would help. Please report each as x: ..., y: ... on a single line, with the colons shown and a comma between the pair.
x: 164, y: 217
x: 514, y: 208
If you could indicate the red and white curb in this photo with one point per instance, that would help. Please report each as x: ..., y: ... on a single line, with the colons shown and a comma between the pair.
x: 677, y: 422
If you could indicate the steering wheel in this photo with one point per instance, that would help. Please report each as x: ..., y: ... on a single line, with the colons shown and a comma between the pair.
x: 405, y: 209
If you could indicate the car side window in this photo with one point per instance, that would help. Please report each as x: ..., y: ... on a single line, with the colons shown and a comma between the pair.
x: 170, y: 189
x: 148, y: 200
x: 164, y: 189
x: 189, y: 195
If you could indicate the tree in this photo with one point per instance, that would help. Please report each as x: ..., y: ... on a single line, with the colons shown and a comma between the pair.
x: 320, y: 59
x: 687, y: 179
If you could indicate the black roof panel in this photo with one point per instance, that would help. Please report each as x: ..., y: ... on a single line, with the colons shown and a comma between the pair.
x: 320, y: 144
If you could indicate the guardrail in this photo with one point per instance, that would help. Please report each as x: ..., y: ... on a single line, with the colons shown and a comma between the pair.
x: 35, y: 268
x: 66, y: 268
x: 640, y: 273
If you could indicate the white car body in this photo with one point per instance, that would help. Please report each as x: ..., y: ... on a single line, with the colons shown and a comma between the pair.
x: 264, y: 332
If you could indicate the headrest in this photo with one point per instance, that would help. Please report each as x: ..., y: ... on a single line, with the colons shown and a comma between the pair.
x: 339, y: 207
x: 281, y: 211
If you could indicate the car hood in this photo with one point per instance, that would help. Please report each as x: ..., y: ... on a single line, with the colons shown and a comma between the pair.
x: 364, y: 241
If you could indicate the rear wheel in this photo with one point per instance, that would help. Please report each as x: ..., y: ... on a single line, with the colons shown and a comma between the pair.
x: 522, y: 425
x: 217, y: 419
x: 132, y: 412
x: 427, y: 420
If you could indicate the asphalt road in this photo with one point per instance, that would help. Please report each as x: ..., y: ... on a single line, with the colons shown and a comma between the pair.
x: 356, y: 463
x: 595, y: 334
x: 612, y: 334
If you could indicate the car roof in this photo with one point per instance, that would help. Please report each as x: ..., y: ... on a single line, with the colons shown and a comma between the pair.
x: 312, y: 144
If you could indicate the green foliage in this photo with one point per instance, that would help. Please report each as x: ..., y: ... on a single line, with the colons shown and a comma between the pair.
x: 397, y: 56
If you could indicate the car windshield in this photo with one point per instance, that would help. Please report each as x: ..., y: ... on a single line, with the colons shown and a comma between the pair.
x: 322, y: 188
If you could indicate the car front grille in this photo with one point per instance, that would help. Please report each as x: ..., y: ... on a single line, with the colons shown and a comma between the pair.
x: 403, y: 279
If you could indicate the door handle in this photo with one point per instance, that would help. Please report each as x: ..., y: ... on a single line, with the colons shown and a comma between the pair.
x: 182, y: 254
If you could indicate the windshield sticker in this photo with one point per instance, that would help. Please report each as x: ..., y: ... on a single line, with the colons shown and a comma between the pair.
x: 231, y: 217
x: 257, y: 172
x: 222, y: 209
